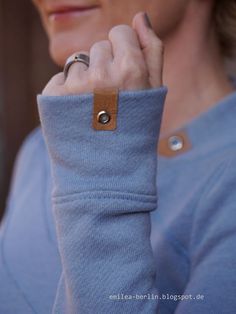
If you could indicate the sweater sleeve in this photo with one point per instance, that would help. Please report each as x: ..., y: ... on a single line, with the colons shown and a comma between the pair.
x: 104, y: 187
x: 212, y: 280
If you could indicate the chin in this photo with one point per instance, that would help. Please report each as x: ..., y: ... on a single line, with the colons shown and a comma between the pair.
x: 64, y: 43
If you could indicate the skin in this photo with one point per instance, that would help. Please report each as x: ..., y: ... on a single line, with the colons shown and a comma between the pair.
x: 192, y: 66
x: 82, y: 33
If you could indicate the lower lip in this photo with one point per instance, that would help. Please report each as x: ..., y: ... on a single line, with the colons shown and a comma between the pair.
x: 68, y: 15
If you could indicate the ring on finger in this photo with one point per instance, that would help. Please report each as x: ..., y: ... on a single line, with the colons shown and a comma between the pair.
x: 79, y: 57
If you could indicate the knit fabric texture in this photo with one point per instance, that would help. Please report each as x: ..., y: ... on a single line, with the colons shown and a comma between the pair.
x: 98, y: 222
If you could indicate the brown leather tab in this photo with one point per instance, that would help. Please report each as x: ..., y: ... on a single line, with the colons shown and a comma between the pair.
x: 164, y: 147
x: 106, y: 106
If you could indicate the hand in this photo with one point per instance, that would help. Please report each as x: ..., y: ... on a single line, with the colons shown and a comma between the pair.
x: 131, y: 59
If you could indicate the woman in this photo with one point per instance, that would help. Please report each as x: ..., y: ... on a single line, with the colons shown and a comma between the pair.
x: 101, y: 120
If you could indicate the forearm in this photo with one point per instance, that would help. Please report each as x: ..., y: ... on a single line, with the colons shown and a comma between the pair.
x: 104, y: 189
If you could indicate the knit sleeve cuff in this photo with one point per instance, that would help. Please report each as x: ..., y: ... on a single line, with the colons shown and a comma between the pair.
x: 84, y: 159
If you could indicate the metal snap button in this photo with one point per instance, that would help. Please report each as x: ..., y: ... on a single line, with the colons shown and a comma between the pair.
x: 103, y: 117
x: 175, y: 143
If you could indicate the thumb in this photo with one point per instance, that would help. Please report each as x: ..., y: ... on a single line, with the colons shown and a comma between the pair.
x: 151, y: 46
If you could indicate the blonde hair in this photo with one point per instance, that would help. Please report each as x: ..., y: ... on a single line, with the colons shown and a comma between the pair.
x: 225, y: 21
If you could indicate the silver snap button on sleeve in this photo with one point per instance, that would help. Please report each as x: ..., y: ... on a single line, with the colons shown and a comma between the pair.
x: 175, y: 143
x: 103, y: 117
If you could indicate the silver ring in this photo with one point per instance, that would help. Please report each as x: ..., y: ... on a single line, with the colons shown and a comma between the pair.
x: 80, y: 57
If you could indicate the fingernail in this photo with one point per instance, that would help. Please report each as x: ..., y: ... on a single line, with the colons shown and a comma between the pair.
x: 147, y: 21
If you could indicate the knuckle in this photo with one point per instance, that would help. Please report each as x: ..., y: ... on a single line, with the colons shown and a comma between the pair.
x: 119, y: 29
x: 98, y: 45
x: 104, y: 42
x: 95, y: 46
x: 48, y: 91
x: 55, y: 78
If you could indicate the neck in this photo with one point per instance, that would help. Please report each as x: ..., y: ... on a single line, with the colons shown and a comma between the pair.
x: 193, y: 71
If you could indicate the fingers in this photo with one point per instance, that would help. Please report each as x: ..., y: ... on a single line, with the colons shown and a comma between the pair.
x: 152, y: 48
x: 101, y: 58
x: 131, y: 58
x: 101, y: 54
x: 129, y: 63
x: 124, y: 41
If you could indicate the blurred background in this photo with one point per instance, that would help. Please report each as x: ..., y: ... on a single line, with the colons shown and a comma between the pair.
x: 25, y: 67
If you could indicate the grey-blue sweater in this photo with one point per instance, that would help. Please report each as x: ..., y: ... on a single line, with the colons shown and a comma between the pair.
x: 121, y: 233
